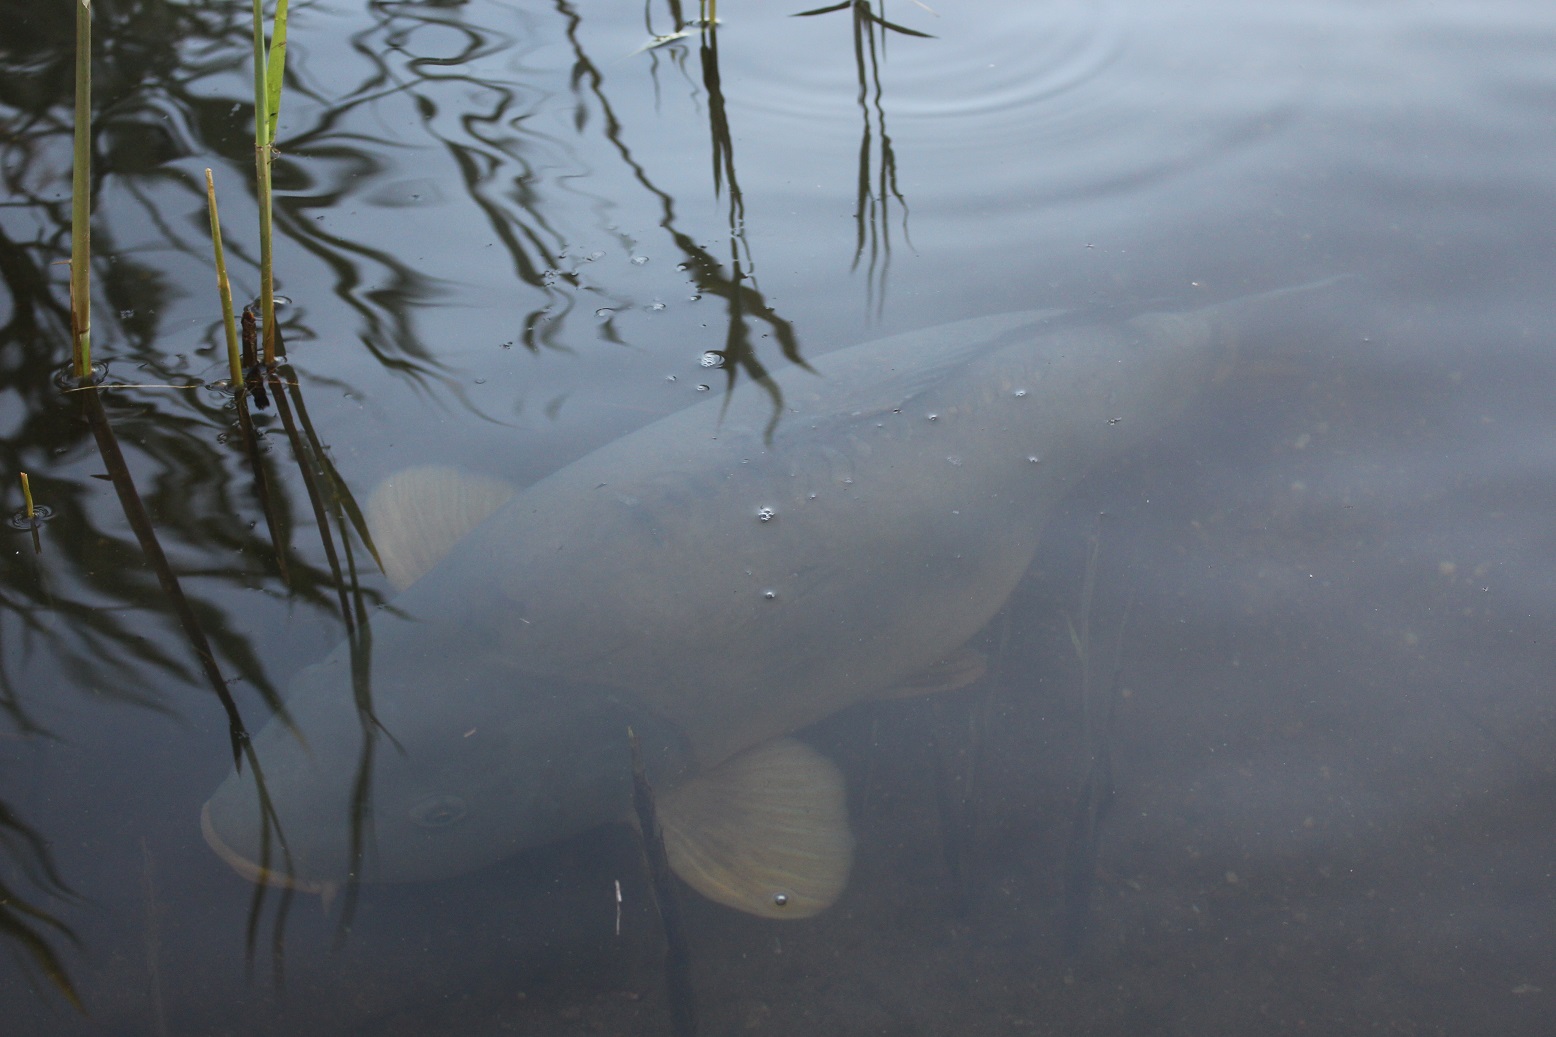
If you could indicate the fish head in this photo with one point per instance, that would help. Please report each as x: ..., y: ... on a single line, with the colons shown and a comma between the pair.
x: 435, y: 763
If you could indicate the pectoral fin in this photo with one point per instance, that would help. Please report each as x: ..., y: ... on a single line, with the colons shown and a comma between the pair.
x: 418, y: 515
x: 765, y: 832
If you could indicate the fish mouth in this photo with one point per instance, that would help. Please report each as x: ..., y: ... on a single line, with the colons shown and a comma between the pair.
x: 255, y: 873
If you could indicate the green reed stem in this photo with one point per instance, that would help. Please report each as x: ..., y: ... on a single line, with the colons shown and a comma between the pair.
x: 223, y: 288
x: 275, y: 66
x: 262, y: 156
x: 27, y: 496
x: 81, y: 200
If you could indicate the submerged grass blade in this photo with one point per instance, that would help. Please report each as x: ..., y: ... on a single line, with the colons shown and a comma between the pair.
x: 340, y: 493
x: 16, y: 924
x: 678, y: 976
x: 229, y: 325
x: 81, y: 200
x: 140, y: 524
x: 275, y: 524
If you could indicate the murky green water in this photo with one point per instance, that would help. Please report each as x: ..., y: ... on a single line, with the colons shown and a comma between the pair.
x: 510, y: 235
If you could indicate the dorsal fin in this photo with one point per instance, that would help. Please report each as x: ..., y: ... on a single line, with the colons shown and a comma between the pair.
x: 418, y: 515
x: 765, y: 832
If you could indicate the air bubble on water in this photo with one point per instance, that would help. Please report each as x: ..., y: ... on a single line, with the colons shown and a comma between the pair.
x: 703, y: 387
x: 591, y: 257
x: 934, y: 417
x: 1114, y: 421
x: 604, y: 311
x: 1020, y: 393
x: 813, y: 496
x: 765, y: 514
x: 770, y: 594
x: 639, y: 260
x: 654, y: 307
x: 1034, y: 459
x: 480, y: 381
x: 955, y: 461
x: 683, y: 267
x: 711, y: 359
x: 694, y: 298
x: 669, y: 377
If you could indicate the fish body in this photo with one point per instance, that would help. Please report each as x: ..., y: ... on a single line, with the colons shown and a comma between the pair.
x: 717, y: 580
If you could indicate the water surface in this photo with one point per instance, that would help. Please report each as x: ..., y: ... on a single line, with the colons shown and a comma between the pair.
x: 511, y: 234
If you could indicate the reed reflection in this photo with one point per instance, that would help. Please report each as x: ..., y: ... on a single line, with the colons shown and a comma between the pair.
x: 877, y: 183
x: 113, y: 605
x: 745, y: 306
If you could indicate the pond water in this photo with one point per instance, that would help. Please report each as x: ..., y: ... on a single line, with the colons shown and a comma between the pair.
x: 1299, y: 775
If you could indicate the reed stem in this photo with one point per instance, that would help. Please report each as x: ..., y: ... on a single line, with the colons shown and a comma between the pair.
x: 27, y: 498
x: 262, y: 161
x: 223, y: 288
x: 81, y: 201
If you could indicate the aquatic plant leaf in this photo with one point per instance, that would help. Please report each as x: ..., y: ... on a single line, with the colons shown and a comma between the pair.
x: 867, y: 14
x: 894, y: 27
x: 825, y: 10
x: 655, y: 42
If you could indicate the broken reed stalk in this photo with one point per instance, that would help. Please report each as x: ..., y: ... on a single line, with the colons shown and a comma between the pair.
x: 31, y: 515
x: 81, y: 201
x: 269, y: 70
x: 223, y: 288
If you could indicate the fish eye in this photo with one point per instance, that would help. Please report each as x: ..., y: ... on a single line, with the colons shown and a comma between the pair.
x: 437, y: 811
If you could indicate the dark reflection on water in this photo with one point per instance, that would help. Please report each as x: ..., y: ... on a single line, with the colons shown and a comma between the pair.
x: 1317, y: 795
x: 878, y: 187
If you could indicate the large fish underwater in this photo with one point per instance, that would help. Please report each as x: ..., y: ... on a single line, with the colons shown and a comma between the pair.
x: 714, y: 581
